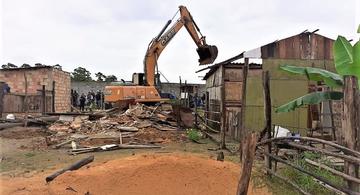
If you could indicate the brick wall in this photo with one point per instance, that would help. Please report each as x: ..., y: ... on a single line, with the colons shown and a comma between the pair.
x: 62, y: 90
x: 36, y: 78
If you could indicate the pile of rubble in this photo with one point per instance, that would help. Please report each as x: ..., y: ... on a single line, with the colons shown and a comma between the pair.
x: 140, y: 126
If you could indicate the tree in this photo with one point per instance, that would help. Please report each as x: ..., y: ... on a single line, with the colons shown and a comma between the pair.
x: 81, y: 74
x: 111, y: 78
x: 100, y: 76
x: 25, y: 66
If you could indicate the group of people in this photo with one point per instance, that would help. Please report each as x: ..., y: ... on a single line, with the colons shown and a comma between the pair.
x: 90, y: 101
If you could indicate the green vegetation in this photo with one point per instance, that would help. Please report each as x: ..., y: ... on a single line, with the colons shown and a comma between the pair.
x: 29, y: 154
x: 307, y: 182
x: 308, y: 99
x: 194, y: 134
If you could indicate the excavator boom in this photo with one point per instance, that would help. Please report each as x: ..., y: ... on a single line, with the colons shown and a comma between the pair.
x: 144, y: 87
x: 207, y: 53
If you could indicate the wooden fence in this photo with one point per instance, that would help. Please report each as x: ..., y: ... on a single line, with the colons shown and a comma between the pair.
x: 36, y: 103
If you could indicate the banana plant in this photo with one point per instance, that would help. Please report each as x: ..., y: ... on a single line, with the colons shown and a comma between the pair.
x: 347, y: 62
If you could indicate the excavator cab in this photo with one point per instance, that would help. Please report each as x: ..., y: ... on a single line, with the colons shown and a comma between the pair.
x: 207, y: 54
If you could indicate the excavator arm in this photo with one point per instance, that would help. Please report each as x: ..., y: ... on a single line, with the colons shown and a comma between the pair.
x: 207, y: 53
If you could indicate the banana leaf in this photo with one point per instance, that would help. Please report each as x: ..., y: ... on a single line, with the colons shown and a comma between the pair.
x: 309, y: 99
x: 347, y: 57
x: 316, y: 74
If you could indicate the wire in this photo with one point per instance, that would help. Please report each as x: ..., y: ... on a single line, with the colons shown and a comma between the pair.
x: 175, y: 14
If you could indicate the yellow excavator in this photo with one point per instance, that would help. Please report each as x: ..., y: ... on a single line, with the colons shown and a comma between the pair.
x: 144, y: 86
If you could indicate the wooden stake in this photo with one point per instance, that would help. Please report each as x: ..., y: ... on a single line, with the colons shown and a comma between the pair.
x: 242, y: 131
x: 267, y: 113
x: 223, y: 110
x: 26, y: 105
x: 247, y: 161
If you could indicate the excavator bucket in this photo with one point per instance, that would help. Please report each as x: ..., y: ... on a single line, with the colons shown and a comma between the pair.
x: 207, y: 54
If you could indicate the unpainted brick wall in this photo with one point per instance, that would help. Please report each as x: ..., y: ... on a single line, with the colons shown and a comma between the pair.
x: 36, y: 78
x: 62, y: 90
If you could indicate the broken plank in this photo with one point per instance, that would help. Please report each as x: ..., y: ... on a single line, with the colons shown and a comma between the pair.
x: 130, y: 129
x: 72, y: 167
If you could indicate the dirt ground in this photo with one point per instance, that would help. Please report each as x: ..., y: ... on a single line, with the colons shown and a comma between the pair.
x: 177, y: 168
x: 140, y: 174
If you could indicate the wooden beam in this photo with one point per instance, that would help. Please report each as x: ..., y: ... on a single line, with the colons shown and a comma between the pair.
x: 26, y: 104
x: 343, y: 189
x: 337, y: 146
x: 72, y: 167
x: 267, y: 115
x: 333, y: 171
x: 247, y: 162
x: 323, y: 151
x: 223, y: 110
x: 242, y: 130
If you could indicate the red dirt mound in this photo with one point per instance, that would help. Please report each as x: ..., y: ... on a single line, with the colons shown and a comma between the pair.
x: 145, y: 174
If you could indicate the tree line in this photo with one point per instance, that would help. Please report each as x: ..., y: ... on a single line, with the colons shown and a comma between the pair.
x: 82, y: 74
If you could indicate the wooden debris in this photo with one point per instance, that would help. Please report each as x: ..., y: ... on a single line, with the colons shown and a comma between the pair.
x: 111, y: 147
x: 72, y: 167
x: 130, y: 129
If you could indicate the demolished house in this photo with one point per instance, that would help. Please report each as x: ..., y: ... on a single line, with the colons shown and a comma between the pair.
x: 47, y: 89
x: 305, y: 49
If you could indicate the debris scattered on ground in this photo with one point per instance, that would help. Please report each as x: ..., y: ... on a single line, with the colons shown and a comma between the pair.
x: 140, y: 126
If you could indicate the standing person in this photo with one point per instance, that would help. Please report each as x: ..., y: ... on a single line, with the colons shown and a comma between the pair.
x: 98, y: 99
x: 82, y: 102
x: 89, y: 99
x: 75, y: 98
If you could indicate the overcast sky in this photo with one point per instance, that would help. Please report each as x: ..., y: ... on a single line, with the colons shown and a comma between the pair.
x: 111, y: 36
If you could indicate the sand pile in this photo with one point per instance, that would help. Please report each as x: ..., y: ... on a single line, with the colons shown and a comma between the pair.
x: 143, y: 174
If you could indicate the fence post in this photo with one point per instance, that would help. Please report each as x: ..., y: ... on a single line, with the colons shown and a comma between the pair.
x: 242, y: 131
x: 43, y: 100
x: 196, y: 112
x: 53, y: 97
x: 351, y: 125
x: 267, y: 114
x: 26, y: 105
x: 247, y: 161
x: 223, y: 110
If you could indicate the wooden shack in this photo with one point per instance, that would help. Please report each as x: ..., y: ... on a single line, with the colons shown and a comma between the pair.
x: 305, y: 49
x: 229, y: 75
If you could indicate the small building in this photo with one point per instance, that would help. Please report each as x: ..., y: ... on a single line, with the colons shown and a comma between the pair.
x: 306, y: 49
x: 57, y: 85
x: 229, y: 75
